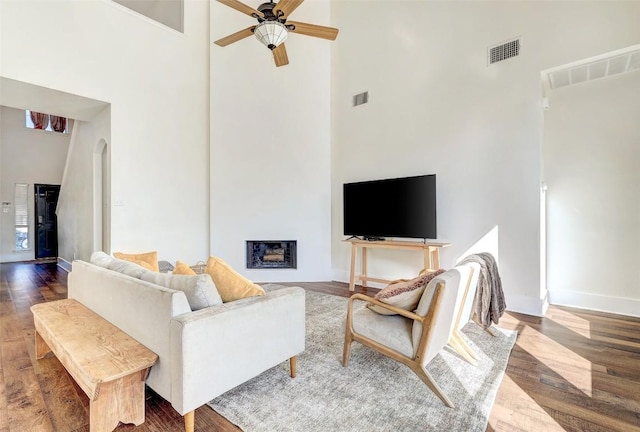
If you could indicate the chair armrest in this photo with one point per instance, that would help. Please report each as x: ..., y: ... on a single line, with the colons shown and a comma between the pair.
x: 371, y: 300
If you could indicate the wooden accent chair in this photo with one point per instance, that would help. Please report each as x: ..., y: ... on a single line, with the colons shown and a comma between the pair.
x: 413, y: 338
x: 464, y: 314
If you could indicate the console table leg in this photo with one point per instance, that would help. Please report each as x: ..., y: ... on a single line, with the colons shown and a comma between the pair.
x: 364, y: 267
x: 352, y: 277
x: 435, y: 258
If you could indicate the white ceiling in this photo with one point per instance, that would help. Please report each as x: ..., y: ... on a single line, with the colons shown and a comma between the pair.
x: 21, y: 95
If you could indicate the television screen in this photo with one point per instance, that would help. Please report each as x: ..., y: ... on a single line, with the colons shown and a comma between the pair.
x: 400, y: 207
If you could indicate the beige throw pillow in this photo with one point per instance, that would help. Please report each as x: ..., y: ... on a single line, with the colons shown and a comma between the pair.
x: 404, y: 295
x: 183, y: 269
x: 148, y: 260
x: 199, y: 289
x: 231, y: 284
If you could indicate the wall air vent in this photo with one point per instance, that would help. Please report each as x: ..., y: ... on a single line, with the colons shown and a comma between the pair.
x: 602, y: 67
x: 504, y: 51
x: 361, y: 98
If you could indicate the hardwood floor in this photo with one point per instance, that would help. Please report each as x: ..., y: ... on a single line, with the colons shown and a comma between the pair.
x: 572, y: 370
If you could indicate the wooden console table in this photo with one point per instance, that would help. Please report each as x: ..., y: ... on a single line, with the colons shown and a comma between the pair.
x: 107, y: 364
x: 430, y: 249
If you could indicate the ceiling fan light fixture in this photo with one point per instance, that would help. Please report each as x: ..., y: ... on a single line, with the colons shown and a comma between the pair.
x: 271, y: 33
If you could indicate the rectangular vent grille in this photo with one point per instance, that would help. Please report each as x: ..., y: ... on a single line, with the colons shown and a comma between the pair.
x: 601, y: 68
x: 361, y: 98
x: 504, y: 51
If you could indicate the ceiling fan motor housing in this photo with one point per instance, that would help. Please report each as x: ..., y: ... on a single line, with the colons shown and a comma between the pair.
x: 267, y: 11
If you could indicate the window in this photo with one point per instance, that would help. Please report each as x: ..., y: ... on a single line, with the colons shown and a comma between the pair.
x: 22, y: 216
x: 47, y: 122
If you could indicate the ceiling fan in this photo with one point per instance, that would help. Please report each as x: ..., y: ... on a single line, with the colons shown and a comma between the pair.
x: 274, y: 26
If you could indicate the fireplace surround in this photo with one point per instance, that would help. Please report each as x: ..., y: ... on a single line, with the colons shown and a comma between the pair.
x: 271, y: 254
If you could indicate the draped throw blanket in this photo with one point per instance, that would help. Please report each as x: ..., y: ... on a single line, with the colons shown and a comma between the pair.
x: 489, y: 304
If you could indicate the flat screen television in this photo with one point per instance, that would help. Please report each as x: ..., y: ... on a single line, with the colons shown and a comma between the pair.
x: 399, y: 207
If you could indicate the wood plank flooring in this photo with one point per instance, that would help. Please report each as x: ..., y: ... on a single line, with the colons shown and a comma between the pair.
x: 572, y: 370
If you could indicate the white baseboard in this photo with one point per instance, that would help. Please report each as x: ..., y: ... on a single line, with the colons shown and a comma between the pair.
x: 64, y: 264
x: 525, y: 304
x: 596, y: 302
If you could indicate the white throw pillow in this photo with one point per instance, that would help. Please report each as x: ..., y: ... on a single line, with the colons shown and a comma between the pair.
x: 128, y: 268
x: 101, y: 259
x: 200, y: 290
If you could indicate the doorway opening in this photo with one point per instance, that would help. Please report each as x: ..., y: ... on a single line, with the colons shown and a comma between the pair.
x: 46, y: 201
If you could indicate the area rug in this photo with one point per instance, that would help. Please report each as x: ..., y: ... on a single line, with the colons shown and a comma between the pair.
x: 373, y: 393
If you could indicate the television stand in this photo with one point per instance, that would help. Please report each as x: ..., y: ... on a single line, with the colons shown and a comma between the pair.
x: 430, y: 250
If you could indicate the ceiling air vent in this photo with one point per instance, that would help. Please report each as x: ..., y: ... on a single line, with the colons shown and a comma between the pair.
x: 361, y: 98
x: 504, y: 51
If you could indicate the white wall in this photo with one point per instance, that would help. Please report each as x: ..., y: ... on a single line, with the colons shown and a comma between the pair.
x: 156, y: 80
x: 592, y: 169
x: 270, y: 145
x: 26, y: 156
x: 436, y: 107
x: 76, y: 202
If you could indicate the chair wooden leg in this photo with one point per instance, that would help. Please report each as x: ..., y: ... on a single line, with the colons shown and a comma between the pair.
x: 461, y: 347
x: 426, y: 378
x: 465, y: 345
x: 347, y: 348
x: 293, y: 361
x: 189, y: 421
x: 488, y: 329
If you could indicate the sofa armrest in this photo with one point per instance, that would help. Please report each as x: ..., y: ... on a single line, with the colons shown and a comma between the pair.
x: 216, y: 349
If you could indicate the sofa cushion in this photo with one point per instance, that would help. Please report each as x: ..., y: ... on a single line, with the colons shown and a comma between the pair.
x: 199, y: 289
x: 128, y: 268
x: 148, y: 260
x: 403, y: 294
x: 231, y: 284
x: 183, y: 269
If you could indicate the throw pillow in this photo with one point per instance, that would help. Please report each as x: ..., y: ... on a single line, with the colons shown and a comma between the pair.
x: 128, y: 268
x: 148, y: 260
x: 101, y: 259
x: 231, y: 285
x: 183, y: 269
x: 199, y: 289
x: 404, y: 295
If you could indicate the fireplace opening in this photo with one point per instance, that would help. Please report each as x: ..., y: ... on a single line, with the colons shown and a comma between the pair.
x: 271, y: 254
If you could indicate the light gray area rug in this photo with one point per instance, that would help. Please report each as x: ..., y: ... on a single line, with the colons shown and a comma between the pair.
x: 373, y: 393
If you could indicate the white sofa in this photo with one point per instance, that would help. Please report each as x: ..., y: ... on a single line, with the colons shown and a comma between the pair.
x: 202, y: 353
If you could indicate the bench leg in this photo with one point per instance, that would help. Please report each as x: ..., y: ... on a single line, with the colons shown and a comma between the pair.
x: 121, y: 400
x: 189, y: 420
x: 41, y: 346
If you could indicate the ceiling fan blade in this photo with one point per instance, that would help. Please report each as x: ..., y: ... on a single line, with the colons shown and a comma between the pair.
x: 235, y: 37
x: 280, y: 55
x: 241, y: 7
x: 313, y: 30
x: 286, y: 6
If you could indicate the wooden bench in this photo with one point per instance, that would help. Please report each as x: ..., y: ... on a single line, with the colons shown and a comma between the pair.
x: 107, y: 364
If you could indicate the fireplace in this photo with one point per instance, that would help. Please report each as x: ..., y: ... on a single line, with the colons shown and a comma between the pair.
x: 271, y: 254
